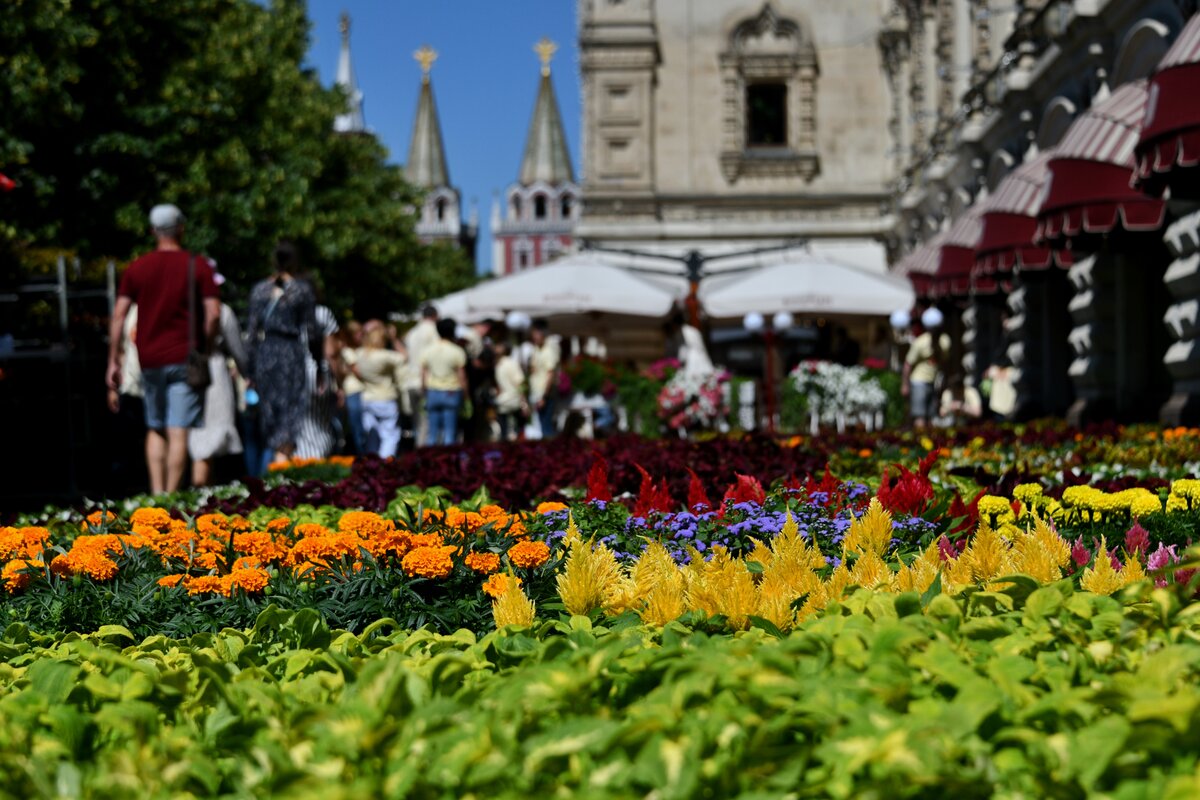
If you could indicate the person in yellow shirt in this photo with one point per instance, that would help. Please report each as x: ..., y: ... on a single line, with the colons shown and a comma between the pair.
x: 381, y: 370
x: 922, y: 367
x: 543, y: 374
x: 510, y: 397
x: 444, y: 379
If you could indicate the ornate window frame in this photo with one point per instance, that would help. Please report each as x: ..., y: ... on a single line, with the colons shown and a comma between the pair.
x: 746, y: 62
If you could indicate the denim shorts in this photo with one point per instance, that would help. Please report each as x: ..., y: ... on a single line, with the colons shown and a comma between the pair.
x: 170, y: 402
x: 921, y: 400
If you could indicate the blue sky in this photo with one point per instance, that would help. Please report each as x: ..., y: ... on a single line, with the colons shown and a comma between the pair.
x: 485, y: 79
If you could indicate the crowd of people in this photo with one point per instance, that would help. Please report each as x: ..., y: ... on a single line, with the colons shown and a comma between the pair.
x: 938, y: 393
x: 296, y: 383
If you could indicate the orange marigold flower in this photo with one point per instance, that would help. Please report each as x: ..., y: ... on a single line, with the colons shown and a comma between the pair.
x: 250, y: 581
x: 546, y: 508
x: 100, y: 568
x: 318, y: 548
x: 306, y: 530
x: 432, y: 515
x: 483, y: 562
x: 204, y: 584
x: 23, y: 542
x: 428, y: 562
x: 17, y: 574
x: 171, y: 580
x: 260, y: 544
x: 498, y: 583
x: 154, y: 517
x: 492, y: 512
x: 62, y: 566
x: 96, y: 519
x: 208, y: 560
x: 365, y: 524
x: 416, y: 540
x: 529, y: 554
x: 279, y: 524
x: 466, y: 520
x: 396, y: 543
x: 212, y: 524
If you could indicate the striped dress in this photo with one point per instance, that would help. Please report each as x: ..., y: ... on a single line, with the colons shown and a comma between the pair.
x: 318, y: 436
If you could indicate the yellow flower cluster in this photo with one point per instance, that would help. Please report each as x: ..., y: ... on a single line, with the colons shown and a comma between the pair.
x: 997, y: 511
x: 774, y: 578
x: 1094, y: 505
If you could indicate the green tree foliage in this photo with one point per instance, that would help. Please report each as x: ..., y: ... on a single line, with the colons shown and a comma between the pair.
x: 110, y: 106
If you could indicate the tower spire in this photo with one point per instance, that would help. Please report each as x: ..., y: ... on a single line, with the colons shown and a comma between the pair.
x: 352, y: 120
x: 546, y: 156
x: 426, y: 166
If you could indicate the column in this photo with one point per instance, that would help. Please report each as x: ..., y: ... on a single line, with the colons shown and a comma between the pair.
x: 1182, y: 359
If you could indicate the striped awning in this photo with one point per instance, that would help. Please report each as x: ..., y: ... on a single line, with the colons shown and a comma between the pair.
x: 1170, y: 137
x: 1091, y: 172
x: 1009, y: 222
x: 942, y: 266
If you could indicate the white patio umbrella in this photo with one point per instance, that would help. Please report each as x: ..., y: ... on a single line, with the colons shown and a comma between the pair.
x: 804, y: 284
x: 576, y: 284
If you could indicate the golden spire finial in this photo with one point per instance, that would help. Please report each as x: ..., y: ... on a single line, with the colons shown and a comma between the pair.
x: 344, y: 24
x: 545, y: 50
x: 425, y: 56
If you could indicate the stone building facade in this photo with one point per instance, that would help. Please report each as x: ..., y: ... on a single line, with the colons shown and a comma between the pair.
x: 1013, y: 131
x: 713, y: 125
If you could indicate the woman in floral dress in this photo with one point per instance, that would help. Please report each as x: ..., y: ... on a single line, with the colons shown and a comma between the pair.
x: 282, y: 326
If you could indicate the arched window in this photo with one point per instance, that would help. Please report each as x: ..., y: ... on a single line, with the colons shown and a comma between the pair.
x: 440, y: 209
x: 516, y: 206
x: 539, y: 206
x: 565, y: 206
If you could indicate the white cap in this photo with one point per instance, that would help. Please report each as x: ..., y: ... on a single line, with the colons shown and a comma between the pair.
x: 165, y: 217
x: 900, y: 318
x: 932, y: 318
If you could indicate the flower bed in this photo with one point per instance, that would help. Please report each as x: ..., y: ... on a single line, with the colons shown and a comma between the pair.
x: 750, y: 556
x: 521, y: 474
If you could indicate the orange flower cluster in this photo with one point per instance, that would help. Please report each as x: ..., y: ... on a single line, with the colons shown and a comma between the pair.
x: 429, y: 562
x: 529, y: 554
x: 485, y: 563
x: 296, y: 463
x: 224, y: 555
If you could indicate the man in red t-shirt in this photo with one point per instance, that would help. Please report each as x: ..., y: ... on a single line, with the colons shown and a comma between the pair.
x: 158, y: 283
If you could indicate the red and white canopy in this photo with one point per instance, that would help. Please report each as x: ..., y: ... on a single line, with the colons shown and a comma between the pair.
x: 1170, y: 135
x: 942, y: 267
x: 1009, y: 219
x: 1091, y: 172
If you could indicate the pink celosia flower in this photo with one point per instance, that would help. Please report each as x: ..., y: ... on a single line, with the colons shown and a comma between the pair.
x: 1160, y: 558
x: 1137, y: 539
x: 1079, y: 553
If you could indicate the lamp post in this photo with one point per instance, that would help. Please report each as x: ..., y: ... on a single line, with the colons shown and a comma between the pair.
x: 755, y: 322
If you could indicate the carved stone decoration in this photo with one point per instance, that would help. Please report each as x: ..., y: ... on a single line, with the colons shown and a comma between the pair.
x: 945, y: 60
x: 981, y: 46
x: 893, y: 49
x: 916, y: 89
x: 770, y: 48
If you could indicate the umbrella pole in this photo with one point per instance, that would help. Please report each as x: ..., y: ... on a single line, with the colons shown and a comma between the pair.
x: 769, y: 378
